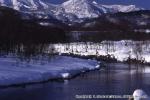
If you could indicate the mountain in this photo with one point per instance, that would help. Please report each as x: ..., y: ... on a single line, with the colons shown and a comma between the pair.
x: 137, y: 20
x: 38, y: 20
x: 69, y: 11
x: 15, y: 29
x: 84, y: 8
x: 23, y: 5
x: 122, y: 8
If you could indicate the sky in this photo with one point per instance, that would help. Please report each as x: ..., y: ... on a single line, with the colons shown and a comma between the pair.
x: 139, y: 3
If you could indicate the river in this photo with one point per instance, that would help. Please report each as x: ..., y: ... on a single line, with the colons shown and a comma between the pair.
x: 115, y: 79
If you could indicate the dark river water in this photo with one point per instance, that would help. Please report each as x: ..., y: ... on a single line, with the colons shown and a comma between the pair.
x: 116, y: 79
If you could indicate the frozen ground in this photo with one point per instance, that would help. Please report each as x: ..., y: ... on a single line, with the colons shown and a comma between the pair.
x: 13, y: 71
x: 121, y: 50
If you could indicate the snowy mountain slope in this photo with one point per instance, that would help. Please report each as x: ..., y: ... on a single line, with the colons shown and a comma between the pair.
x: 92, y: 9
x: 126, y: 23
x: 24, y: 4
x: 122, y: 8
x: 84, y: 8
x: 71, y: 10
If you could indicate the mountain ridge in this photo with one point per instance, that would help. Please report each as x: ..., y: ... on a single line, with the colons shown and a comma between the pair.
x: 71, y: 10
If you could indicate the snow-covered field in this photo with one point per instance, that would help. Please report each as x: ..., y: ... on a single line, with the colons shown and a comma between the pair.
x: 13, y: 71
x: 121, y: 50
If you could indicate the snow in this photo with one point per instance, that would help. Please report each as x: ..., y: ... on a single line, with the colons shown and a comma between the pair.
x: 3, y: 3
x: 94, y: 2
x: 147, y: 30
x: 25, y: 5
x: 65, y: 75
x: 16, y: 4
x: 71, y: 10
x: 33, y: 4
x: 98, y: 66
x: 45, y: 24
x: 13, y: 71
x: 143, y: 30
x: 121, y: 50
x: 43, y: 4
x: 91, y: 9
x: 82, y: 8
x: 122, y: 8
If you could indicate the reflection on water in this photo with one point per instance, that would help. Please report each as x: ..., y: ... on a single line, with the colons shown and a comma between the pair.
x: 117, y: 79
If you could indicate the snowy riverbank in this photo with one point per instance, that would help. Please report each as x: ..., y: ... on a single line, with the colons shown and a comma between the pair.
x: 120, y: 50
x: 15, y: 72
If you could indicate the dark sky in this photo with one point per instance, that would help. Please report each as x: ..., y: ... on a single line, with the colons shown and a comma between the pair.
x: 139, y: 3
